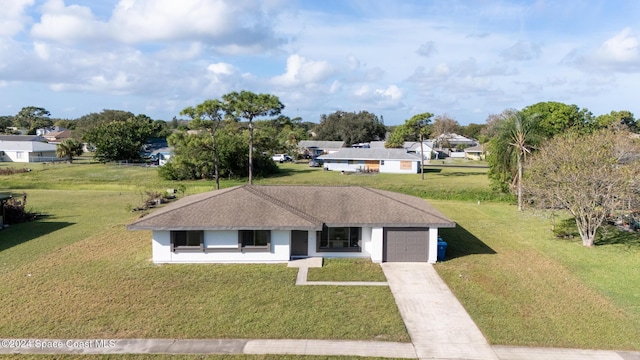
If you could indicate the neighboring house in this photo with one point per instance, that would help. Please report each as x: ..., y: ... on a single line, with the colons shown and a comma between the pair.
x: 48, y: 130
x: 453, y: 140
x: 57, y: 136
x: 26, y: 148
x: 163, y: 155
x: 396, y: 161
x: 264, y: 224
x: 475, y: 152
x: 314, y: 148
x: 377, y: 144
x: 414, y: 147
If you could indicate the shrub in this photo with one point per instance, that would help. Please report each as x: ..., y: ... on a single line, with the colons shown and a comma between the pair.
x: 11, y: 171
x: 15, y: 213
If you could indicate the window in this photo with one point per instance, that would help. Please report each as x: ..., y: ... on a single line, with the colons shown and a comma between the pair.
x: 405, y: 165
x: 187, y: 240
x: 19, y: 155
x: 381, y: 162
x: 336, y: 239
x: 255, y: 239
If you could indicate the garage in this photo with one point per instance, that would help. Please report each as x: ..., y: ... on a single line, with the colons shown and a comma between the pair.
x: 405, y: 245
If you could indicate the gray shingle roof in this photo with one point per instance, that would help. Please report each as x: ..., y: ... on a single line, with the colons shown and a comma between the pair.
x: 293, y: 207
x: 320, y: 144
x: 22, y: 138
x: 370, y: 154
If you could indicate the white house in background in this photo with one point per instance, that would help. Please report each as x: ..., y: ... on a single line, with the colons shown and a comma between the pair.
x: 396, y: 161
x: 274, y: 224
x: 163, y: 155
x: 314, y: 148
x: 453, y: 139
x: 26, y: 148
x: 412, y: 147
x: 475, y: 152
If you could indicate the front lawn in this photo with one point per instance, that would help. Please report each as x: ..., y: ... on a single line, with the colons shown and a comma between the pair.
x: 78, y: 273
x: 524, y: 287
x: 83, y: 275
x: 347, y: 270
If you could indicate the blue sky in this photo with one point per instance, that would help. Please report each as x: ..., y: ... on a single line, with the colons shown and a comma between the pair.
x: 466, y: 59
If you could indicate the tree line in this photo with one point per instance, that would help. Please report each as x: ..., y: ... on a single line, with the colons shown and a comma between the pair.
x: 554, y: 156
x: 549, y: 155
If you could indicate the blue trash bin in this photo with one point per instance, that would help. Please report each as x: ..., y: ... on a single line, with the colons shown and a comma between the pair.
x: 442, y: 249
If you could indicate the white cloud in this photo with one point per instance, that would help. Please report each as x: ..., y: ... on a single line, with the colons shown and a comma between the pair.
x: 392, y: 92
x: 335, y: 87
x: 362, y: 91
x: 42, y: 50
x: 620, y: 53
x: 624, y: 47
x: 12, y: 17
x: 182, y: 53
x: 230, y: 27
x: 354, y: 63
x: 67, y: 24
x: 221, y: 68
x: 301, y: 71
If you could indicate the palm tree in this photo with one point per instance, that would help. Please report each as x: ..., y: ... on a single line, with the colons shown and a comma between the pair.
x: 69, y: 148
x: 517, y: 136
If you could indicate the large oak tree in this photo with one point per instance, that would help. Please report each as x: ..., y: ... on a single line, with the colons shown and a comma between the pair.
x: 591, y: 176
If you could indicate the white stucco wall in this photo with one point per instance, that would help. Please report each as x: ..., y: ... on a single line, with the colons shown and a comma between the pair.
x: 390, y: 166
x: 16, y: 156
x: 279, y: 251
x: 433, y: 245
x: 393, y: 167
x: 376, y: 245
x: 342, y: 165
x: 372, y: 247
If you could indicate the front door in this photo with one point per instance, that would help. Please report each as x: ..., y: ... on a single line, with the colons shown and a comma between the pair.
x: 299, y: 243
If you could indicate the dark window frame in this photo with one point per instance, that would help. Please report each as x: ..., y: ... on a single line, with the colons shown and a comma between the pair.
x: 323, y: 237
x: 242, y: 234
x: 187, y: 248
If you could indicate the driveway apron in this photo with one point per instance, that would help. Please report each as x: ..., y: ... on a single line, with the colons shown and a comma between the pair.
x: 440, y: 328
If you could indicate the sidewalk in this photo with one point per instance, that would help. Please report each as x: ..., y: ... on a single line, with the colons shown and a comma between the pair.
x: 439, y: 327
x: 293, y: 347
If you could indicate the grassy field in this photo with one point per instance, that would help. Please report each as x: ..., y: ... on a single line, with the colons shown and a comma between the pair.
x: 77, y: 272
x: 522, y: 286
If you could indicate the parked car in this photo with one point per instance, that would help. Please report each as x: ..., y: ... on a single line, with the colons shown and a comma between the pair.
x: 281, y: 158
x: 316, y: 163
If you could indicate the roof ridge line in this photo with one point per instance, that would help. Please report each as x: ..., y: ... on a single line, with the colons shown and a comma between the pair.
x: 283, y: 205
x: 400, y: 201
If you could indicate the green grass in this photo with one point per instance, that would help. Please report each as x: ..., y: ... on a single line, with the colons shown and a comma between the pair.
x: 445, y: 182
x: 89, y: 277
x: 347, y: 270
x: 524, y: 287
x: 78, y: 273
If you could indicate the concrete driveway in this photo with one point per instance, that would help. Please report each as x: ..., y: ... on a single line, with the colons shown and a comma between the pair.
x: 440, y: 328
